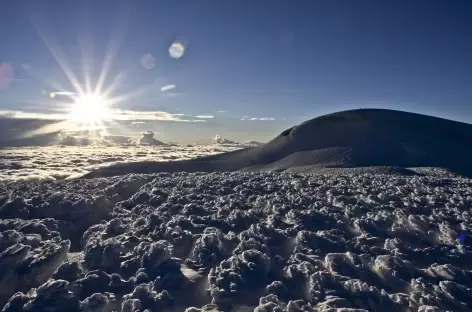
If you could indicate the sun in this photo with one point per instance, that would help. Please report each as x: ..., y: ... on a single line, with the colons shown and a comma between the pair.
x: 90, y: 109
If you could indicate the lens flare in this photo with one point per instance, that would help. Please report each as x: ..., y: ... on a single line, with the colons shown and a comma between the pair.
x: 176, y: 50
x: 6, y: 75
x: 148, y: 61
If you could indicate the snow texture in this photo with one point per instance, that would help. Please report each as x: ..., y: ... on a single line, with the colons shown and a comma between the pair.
x: 337, y: 241
x: 363, y: 210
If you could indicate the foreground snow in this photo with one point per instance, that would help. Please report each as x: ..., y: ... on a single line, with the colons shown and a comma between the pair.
x: 237, y: 242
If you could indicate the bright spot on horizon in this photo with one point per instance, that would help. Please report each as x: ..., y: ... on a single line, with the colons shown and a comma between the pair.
x: 90, y: 109
x: 176, y: 50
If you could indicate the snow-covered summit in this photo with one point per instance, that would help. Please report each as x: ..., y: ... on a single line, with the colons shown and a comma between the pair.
x: 354, y: 138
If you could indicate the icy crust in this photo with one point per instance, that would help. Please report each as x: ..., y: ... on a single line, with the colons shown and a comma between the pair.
x: 237, y: 242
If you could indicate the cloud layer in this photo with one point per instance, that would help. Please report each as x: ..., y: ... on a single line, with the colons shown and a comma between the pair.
x: 116, y: 114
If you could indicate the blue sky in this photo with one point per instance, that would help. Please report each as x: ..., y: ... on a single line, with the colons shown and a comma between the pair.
x: 282, y: 61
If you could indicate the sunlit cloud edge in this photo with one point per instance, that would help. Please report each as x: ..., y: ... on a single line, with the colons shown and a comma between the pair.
x: 205, y: 116
x: 119, y: 115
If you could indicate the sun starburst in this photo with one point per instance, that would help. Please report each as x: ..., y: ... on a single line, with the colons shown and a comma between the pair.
x: 90, y: 109
x: 91, y: 104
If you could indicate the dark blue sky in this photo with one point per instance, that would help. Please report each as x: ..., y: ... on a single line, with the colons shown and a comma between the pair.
x: 277, y: 59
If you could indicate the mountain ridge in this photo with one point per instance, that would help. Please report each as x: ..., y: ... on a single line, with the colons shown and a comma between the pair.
x: 352, y: 138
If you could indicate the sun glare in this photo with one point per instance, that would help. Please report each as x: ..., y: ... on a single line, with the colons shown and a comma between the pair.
x: 90, y: 109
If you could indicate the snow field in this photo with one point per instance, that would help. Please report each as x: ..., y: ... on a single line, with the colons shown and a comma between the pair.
x: 237, y: 242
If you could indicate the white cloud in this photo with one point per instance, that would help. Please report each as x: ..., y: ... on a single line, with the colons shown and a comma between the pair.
x: 205, y: 116
x: 64, y: 93
x: 28, y: 115
x: 222, y: 111
x: 257, y: 118
x: 145, y: 115
x: 152, y: 115
x: 168, y: 87
x: 193, y: 120
x: 125, y: 115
